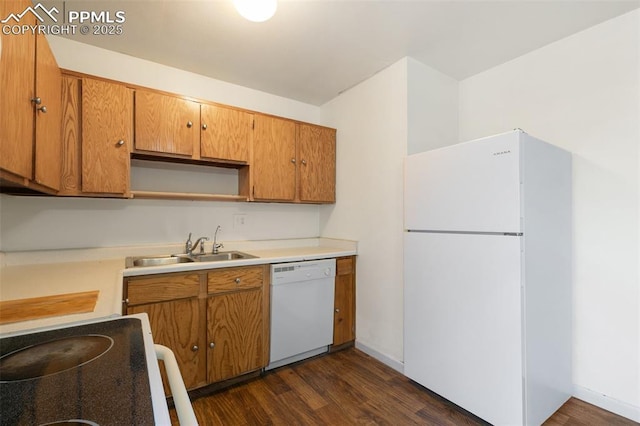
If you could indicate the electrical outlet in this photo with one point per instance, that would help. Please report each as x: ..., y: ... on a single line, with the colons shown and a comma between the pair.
x: 239, y: 221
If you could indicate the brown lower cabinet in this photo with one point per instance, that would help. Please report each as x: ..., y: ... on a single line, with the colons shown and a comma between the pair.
x: 237, y: 321
x: 176, y: 324
x: 215, y: 321
x: 344, y: 321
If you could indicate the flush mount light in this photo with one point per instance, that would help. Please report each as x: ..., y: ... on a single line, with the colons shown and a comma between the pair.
x: 256, y: 10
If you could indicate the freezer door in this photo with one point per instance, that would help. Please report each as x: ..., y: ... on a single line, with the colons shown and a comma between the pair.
x: 472, y: 186
x: 462, y: 321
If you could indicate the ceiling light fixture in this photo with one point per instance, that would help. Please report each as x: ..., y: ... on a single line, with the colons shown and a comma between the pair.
x: 256, y: 10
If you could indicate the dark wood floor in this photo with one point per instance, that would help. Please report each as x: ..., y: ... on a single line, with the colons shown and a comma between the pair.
x: 349, y: 388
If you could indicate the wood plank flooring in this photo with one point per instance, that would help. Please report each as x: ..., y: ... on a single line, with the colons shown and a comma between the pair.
x: 352, y: 388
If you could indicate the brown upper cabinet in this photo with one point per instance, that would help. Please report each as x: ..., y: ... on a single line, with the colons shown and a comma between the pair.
x: 317, y: 163
x: 274, y: 159
x: 107, y: 131
x: 97, y: 132
x: 166, y: 124
x: 293, y: 161
x: 226, y: 133
x: 30, y: 107
x: 69, y: 133
x: 174, y: 126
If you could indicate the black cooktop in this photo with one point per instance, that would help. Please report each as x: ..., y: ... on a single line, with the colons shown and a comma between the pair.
x: 91, y: 374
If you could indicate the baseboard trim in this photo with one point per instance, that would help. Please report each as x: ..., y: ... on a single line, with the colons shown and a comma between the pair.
x: 605, y: 402
x: 395, y: 364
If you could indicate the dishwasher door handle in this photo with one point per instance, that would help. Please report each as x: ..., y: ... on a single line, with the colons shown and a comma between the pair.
x: 181, y: 400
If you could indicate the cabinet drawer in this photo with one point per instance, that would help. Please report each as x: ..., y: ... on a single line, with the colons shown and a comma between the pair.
x: 159, y: 288
x: 230, y: 279
x: 344, y: 266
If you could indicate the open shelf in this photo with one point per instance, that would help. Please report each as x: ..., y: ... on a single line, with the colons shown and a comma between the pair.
x: 194, y: 196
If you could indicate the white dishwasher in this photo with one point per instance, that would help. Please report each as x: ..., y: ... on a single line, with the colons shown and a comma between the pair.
x: 301, y: 310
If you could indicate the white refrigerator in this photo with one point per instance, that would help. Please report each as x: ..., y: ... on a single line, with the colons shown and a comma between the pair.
x: 487, y: 276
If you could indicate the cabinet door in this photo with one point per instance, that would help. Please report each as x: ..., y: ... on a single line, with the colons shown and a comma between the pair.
x: 345, y: 301
x: 70, y: 181
x: 48, y: 154
x: 317, y: 168
x: 17, y: 89
x: 274, y: 159
x: 225, y: 133
x: 175, y: 324
x: 166, y: 124
x: 235, y: 334
x: 232, y: 279
x: 107, y: 122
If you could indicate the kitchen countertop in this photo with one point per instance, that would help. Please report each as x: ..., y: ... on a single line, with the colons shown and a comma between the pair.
x: 43, y: 273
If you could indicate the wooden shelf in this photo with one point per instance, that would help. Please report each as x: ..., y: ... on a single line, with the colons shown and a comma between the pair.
x: 186, y: 196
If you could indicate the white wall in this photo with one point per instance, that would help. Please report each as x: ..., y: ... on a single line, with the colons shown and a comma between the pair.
x: 104, y: 63
x: 32, y: 223
x: 43, y: 223
x: 371, y: 119
x: 432, y: 113
x: 407, y: 104
x: 582, y: 93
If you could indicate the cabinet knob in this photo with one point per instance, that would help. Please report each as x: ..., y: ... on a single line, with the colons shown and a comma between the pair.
x: 189, y: 124
x: 204, y: 127
x: 337, y: 310
x: 119, y: 143
x: 304, y: 162
x: 237, y: 280
x: 36, y: 101
x: 293, y: 160
x: 195, y: 348
x: 43, y: 109
x: 212, y: 345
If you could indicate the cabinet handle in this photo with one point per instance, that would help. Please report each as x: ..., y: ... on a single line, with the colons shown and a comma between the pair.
x: 293, y: 160
x: 237, y: 280
x: 304, y: 162
x: 36, y: 101
x: 204, y: 127
x: 212, y: 345
x: 43, y: 108
x: 119, y: 143
x: 195, y: 348
x: 189, y: 124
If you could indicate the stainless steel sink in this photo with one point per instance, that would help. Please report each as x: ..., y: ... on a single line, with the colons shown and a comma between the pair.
x: 219, y: 257
x: 145, y: 261
x: 157, y: 261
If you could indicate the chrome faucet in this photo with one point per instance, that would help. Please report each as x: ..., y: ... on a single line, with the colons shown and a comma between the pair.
x: 216, y: 244
x: 200, y: 241
x: 190, y: 247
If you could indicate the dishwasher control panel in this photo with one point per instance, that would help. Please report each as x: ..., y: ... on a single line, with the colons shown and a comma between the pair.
x: 282, y: 273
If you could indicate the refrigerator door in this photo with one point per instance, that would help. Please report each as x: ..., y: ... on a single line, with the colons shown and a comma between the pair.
x: 472, y: 186
x: 462, y: 321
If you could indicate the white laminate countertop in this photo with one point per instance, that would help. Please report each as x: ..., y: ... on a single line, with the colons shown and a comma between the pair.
x: 45, y: 273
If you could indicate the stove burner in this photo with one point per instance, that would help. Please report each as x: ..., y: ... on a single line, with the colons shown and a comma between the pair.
x: 72, y: 422
x: 53, y: 357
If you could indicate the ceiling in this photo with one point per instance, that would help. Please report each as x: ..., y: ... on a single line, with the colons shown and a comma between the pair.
x: 314, y: 49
